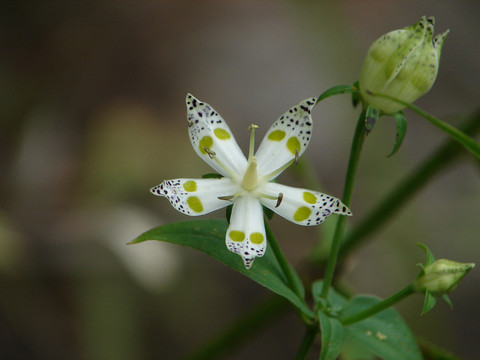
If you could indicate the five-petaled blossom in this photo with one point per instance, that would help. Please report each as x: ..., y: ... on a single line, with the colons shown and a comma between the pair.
x: 247, y: 183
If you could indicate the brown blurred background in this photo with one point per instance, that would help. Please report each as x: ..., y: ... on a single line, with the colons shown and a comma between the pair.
x: 92, y: 115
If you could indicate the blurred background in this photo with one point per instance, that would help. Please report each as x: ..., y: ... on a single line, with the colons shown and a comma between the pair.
x: 92, y: 115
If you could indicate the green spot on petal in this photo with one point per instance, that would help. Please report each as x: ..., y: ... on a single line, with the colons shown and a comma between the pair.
x: 237, y: 236
x: 190, y: 186
x: 195, y: 204
x: 293, y: 145
x: 276, y: 135
x: 206, y: 142
x: 309, y: 197
x: 302, y: 214
x: 256, y: 238
x: 222, y: 134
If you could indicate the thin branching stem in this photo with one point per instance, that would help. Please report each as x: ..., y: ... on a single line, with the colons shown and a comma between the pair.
x: 383, y: 305
x: 408, y: 187
x: 355, y: 151
x: 307, y: 342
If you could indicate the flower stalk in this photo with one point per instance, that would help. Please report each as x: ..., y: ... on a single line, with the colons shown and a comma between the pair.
x: 355, y: 152
x: 383, y: 305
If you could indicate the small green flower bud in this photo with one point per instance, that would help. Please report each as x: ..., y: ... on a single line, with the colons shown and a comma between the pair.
x: 402, y: 64
x: 441, y: 277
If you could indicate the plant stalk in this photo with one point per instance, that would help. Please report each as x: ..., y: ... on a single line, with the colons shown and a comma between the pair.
x: 408, y: 187
x: 307, y: 342
x: 383, y: 305
x: 287, y: 269
x: 355, y: 152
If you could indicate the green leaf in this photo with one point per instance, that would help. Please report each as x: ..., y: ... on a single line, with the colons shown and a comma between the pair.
x: 332, y: 336
x: 331, y: 329
x: 212, y: 176
x: 337, y: 90
x: 356, y: 97
x: 208, y: 236
x: 446, y: 298
x: 401, y: 124
x: 371, y: 118
x: 429, y: 258
x: 429, y: 302
x: 268, y: 213
x: 385, y: 334
x: 334, y: 301
x: 228, y: 213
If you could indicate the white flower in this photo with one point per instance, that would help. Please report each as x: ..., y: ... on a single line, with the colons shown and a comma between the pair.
x: 247, y: 183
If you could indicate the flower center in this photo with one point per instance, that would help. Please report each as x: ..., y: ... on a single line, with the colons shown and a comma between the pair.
x: 250, y: 179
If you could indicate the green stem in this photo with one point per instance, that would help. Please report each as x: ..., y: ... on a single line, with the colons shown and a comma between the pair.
x: 307, y: 342
x: 246, y: 327
x: 355, y: 151
x: 288, y: 271
x: 293, y: 280
x: 383, y: 305
x: 408, y: 187
x: 469, y: 143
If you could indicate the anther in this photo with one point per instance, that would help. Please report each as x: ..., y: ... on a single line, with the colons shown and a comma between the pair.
x: 297, y: 155
x: 279, y: 200
x: 209, y: 152
x: 251, y: 149
x: 228, y: 198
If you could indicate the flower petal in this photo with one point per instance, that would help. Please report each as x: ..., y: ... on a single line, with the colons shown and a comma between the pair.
x: 302, y: 206
x: 287, y: 138
x: 207, y: 129
x: 196, y: 196
x: 246, y: 233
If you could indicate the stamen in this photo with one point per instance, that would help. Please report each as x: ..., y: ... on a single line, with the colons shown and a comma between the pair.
x: 297, y: 155
x: 190, y: 123
x: 209, y: 152
x: 252, y: 140
x: 279, y: 200
x: 269, y: 197
x: 228, y: 198
x: 275, y: 173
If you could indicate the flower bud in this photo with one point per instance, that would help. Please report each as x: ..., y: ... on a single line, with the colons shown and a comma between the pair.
x: 441, y: 277
x: 402, y: 64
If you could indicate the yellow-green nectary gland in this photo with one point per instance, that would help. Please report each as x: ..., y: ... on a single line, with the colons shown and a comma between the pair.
x: 237, y: 236
x: 195, y: 204
x: 293, y: 145
x: 256, y: 238
x: 302, y: 213
x: 309, y: 197
x: 250, y: 179
x: 276, y: 135
x: 190, y: 186
x: 206, y: 142
x: 222, y: 134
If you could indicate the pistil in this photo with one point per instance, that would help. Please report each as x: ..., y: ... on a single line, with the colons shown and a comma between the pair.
x: 250, y: 179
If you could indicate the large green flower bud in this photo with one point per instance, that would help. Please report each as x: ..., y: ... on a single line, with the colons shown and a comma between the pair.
x: 441, y: 277
x: 403, y: 64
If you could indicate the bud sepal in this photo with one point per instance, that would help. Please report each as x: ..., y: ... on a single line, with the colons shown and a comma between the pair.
x: 438, y: 278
